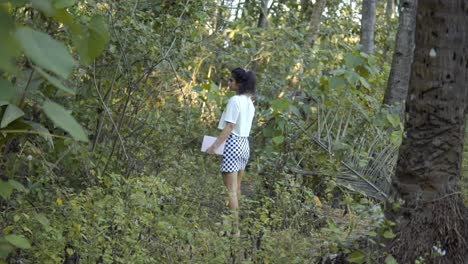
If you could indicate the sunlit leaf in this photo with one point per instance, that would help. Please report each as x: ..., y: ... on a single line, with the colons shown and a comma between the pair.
x: 356, y: 257
x: 388, y: 234
x: 63, y: 119
x: 46, y: 51
x: 394, y: 120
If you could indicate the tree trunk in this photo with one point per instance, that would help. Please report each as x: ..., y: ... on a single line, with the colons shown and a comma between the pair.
x: 389, y: 9
x: 315, y: 21
x: 263, y: 14
x: 433, y: 215
x: 367, y: 26
x: 398, y: 80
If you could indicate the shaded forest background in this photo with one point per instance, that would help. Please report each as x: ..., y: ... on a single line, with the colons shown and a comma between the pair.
x: 104, y: 105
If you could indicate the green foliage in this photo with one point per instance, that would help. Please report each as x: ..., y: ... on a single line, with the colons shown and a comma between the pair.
x: 64, y: 120
x: 45, y: 51
x: 129, y: 185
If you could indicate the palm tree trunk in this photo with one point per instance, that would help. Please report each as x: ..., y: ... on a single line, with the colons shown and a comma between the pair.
x: 429, y: 164
x: 398, y: 80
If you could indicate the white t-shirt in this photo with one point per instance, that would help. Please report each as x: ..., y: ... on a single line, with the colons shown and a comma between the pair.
x: 239, y: 111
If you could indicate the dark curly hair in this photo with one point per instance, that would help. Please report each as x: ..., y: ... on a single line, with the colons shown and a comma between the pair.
x: 245, y: 79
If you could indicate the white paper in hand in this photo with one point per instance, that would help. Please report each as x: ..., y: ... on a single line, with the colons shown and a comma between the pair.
x: 208, y: 141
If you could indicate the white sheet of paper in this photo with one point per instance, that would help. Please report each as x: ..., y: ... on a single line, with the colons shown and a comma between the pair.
x: 208, y: 141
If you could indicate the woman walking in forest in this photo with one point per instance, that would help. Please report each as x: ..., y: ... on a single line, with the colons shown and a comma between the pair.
x: 236, y: 122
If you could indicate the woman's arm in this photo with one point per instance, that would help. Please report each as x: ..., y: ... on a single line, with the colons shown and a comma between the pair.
x: 221, y: 138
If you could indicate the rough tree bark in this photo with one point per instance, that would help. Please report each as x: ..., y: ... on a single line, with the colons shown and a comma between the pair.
x: 315, y: 21
x: 398, y: 80
x: 367, y: 26
x: 432, y: 216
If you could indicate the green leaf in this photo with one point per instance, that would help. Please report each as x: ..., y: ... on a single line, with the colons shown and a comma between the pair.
x: 336, y: 82
x: 388, y: 234
x: 11, y: 114
x: 214, y: 87
x: 46, y: 51
x: 91, y: 42
x: 5, y: 189
x: 63, y: 3
x: 390, y: 260
x: 352, y: 77
x: 356, y: 257
x: 99, y: 35
x: 18, y: 241
x: 70, y: 251
x: 7, y: 92
x: 8, y: 46
x: 17, y: 185
x: 5, y: 249
x: 45, y: 6
x: 280, y: 104
x: 394, y: 120
x: 364, y: 83
x: 278, y: 140
x: 352, y: 60
x: 41, y: 218
x: 54, y: 81
x: 64, y: 120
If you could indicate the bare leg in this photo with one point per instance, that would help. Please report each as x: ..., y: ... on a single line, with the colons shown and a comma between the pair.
x: 240, y: 174
x: 230, y: 180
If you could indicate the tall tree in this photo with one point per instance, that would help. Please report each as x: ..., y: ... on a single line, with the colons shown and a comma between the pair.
x: 433, y: 217
x: 315, y: 21
x: 368, y: 25
x: 389, y: 9
x: 398, y: 80
x: 263, y: 14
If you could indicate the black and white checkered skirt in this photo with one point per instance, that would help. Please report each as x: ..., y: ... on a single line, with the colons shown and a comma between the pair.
x: 236, y: 153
